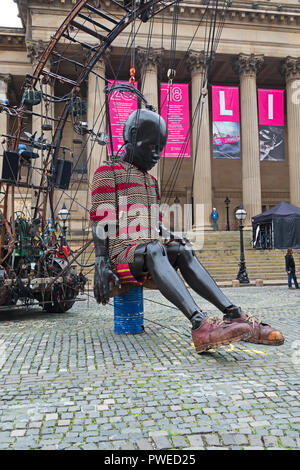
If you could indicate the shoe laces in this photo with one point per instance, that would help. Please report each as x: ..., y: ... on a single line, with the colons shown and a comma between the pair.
x: 253, y: 319
x: 214, y: 321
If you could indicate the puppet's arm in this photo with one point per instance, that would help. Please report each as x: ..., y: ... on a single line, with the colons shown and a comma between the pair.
x: 170, y: 236
x: 164, y: 232
x: 103, y: 273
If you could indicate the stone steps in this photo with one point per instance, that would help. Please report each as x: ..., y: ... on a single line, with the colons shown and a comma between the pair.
x: 221, y: 257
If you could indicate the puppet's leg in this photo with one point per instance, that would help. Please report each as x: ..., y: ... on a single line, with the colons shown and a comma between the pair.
x: 199, y: 279
x: 201, y: 282
x: 152, y: 258
x: 207, y: 333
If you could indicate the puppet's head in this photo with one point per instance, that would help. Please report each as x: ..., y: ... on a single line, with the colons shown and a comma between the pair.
x: 145, y: 135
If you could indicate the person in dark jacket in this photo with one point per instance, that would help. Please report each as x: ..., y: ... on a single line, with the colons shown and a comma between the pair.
x: 290, y: 268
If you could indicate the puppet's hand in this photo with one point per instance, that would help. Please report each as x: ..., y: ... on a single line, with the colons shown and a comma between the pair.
x: 177, y: 238
x: 102, y: 278
x: 171, y: 236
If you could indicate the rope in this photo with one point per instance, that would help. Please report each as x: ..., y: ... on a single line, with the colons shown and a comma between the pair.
x: 212, y: 43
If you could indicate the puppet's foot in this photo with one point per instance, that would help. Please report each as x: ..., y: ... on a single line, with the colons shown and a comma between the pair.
x: 213, y: 332
x: 262, y: 332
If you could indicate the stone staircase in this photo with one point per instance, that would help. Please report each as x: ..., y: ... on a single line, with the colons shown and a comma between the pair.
x: 221, y: 256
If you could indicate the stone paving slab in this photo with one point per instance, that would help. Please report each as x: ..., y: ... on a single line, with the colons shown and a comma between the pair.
x: 67, y: 381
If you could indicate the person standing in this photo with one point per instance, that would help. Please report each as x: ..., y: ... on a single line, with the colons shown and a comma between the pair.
x: 290, y: 268
x: 214, y: 218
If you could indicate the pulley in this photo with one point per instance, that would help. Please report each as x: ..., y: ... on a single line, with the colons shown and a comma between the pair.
x: 171, y: 74
x: 77, y: 107
x: 102, y: 138
x: 47, y: 127
x: 132, y: 76
x: 32, y: 97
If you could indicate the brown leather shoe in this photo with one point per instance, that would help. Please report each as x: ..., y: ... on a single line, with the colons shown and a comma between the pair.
x: 214, y: 332
x: 262, y: 332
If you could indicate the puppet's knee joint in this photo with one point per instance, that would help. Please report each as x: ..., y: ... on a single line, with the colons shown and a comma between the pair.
x: 155, y: 250
x: 186, y: 253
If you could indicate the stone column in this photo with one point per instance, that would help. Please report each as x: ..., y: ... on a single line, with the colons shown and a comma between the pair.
x: 201, y: 142
x: 4, y: 80
x: 34, y: 52
x: 148, y: 60
x: 291, y: 70
x: 247, y: 66
x: 3, y: 116
x: 96, y: 117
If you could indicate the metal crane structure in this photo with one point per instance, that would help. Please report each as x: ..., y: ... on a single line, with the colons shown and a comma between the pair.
x: 37, y: 264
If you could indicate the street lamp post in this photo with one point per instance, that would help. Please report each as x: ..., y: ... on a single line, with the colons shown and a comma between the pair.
x: 227, y: 202
x: 64, y: 215
x: 242, y: 276
x: 176, y: 221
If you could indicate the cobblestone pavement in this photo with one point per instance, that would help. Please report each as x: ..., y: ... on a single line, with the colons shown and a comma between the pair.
x: 67, y: 381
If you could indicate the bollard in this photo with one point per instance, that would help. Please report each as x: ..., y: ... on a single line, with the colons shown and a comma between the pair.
x: 129, y: 312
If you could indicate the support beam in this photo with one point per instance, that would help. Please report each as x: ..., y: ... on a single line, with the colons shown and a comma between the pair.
x: 96, y: 153
x: 291, y: 71
x: 247, y: 66
x: 148, y: 60
x: 3, y: 116
x: 201, y: 145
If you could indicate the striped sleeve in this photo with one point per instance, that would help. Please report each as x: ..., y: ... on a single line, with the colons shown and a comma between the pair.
x: 103, y: 193
x: 154, y: 180
x: 158, y: 195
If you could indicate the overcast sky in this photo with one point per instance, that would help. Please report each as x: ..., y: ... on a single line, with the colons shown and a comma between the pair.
x: 9, y: 14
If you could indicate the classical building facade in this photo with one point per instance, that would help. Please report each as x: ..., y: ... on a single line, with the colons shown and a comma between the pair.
x: 259, y: 48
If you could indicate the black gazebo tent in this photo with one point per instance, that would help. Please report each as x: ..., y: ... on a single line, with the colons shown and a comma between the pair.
x: 281, y: 225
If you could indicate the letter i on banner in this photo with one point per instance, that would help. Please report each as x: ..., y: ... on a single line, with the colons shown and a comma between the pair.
x: 226, y: 122
x: 271, y: 124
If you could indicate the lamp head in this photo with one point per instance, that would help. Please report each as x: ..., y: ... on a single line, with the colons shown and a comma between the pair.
x: 240, y: 213
x: 64, y: 214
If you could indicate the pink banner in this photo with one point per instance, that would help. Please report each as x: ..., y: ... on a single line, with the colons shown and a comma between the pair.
x: 226, y: 122
x: 121, y: 105
x: 270, y: 107
x: 225, y: 104
x: 271, y: 124
x: 175, y: 110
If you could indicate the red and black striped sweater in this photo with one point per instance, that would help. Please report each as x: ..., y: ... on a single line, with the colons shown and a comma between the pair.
x: 126, y: 200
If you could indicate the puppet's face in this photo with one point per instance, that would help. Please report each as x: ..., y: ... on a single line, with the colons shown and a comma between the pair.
x: 146, y: 134
x: 146, y: 152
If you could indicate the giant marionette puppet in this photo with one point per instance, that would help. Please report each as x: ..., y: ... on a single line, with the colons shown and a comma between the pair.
x: 122, y: 185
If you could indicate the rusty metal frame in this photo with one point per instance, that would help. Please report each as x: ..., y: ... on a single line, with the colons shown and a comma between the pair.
x: 41, y: 206
x: 50, y: 159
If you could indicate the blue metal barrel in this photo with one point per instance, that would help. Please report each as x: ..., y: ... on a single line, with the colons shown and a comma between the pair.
x: 129, y: 312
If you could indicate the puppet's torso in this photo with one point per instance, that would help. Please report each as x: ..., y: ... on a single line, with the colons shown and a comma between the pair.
x: 127, y: 199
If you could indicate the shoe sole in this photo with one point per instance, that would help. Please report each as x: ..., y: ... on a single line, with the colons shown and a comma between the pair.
x: 266, y: 342
x: 206, y: 347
